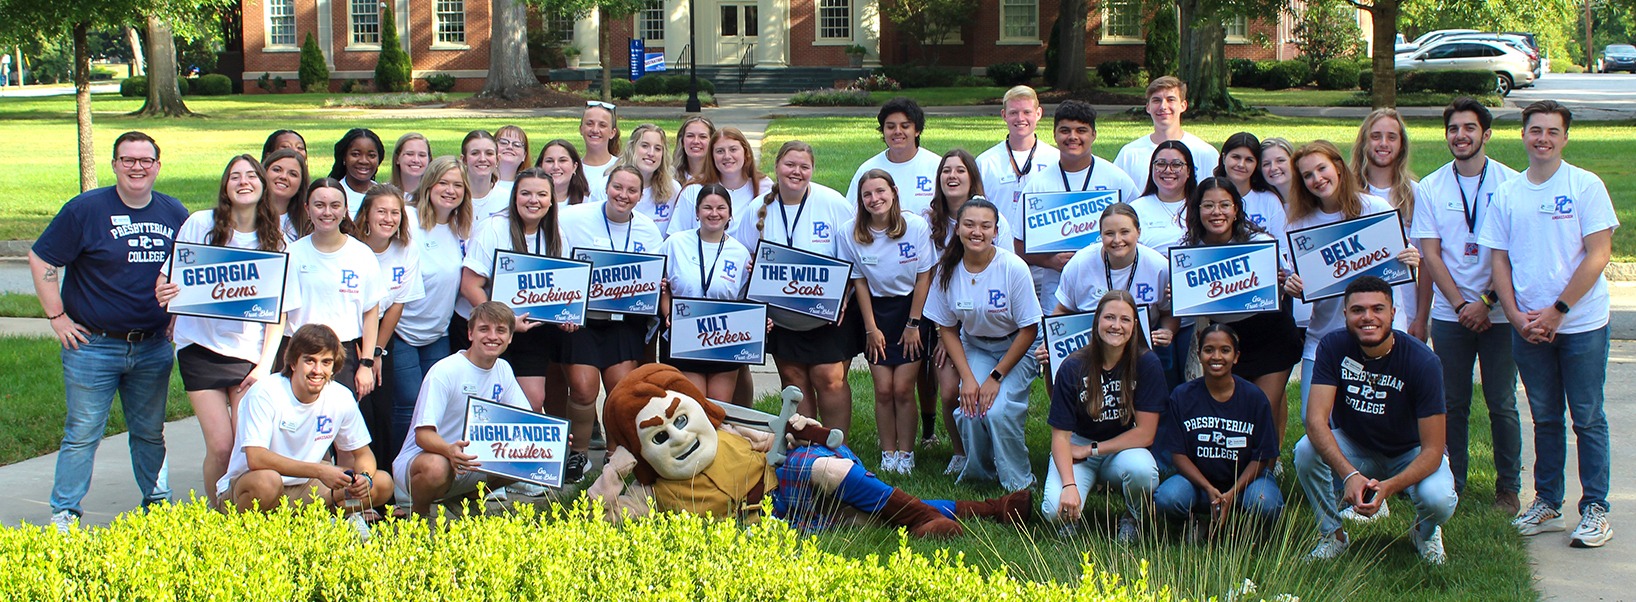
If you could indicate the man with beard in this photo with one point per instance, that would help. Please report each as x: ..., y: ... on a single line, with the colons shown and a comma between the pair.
x: 1380, y: 162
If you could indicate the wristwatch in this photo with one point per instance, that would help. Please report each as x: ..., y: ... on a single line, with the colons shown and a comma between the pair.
x: 1561, y: 308
x: 1094, y: 451
x: 380, y: 352
x: 995, y: 374
x: 913, y: 323
x: 367, y: 362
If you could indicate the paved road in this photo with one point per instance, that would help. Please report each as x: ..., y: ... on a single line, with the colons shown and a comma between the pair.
x: 1588, y: 94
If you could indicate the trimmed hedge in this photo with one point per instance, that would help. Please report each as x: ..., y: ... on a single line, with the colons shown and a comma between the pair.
x: 440, y: 82
x: 1285, y: 74
x: 1011, y: 74
x: 313, y: 72
x: 134, y: 87
x: 188, y: 552
x: 650, y: 84
x: 849, y: 97
x: 621, y: 88
x: 214, y: 84
x: 1337, y: 74
x: 1112, y: 72
x: 1470, y: 82
x: 1243, y: 73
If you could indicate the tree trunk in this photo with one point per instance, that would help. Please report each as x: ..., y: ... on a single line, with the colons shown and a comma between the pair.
x: 1071, y: 56
x: 604, y: 41
x: 1204, y: 61
x: 1384, y: 15
x: 510, y: 71
x: 164, y: 97
x: 138, y: 62
x: 82, y: 106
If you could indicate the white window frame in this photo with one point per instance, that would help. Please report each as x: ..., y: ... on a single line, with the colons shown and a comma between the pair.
x: 1135, y: 7
x: 819, y: 25
x: 1007, y: 6
x: 565, y: 37
x: 441, y: 8
x: 354, y: 19
x: 651, y: 19
x: 1242, y: 24
x: 267, y: 12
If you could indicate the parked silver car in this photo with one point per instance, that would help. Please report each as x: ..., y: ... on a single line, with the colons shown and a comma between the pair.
x: 1511, y: 67
x: 1517, y: 41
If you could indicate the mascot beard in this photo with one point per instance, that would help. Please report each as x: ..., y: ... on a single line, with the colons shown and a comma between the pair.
x: 689, y: 460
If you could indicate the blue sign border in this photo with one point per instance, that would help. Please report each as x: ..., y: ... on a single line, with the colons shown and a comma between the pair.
x: 759, y: 347
x: 1353, y: 224
x: 531, y: 467
x: 579, y: 318
x: 1065, y: 199
x: 773, y: 302
x: 1178, y: 281
x: 283, y: 278
x: 596, y: 305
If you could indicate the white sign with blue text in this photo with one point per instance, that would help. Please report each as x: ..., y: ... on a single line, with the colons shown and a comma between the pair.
x: 1330, y: 256
x: 227, y: 283
x: 716, y: 330
x: 548, y: 289
x: 1066, y: 333
x: 799, y: 281
x: 622, y: 282
x: 1224, y: 279
x: 1064, y: 222
x: 516, y: 443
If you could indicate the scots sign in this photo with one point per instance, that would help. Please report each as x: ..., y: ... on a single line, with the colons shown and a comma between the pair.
x: 799, y: 281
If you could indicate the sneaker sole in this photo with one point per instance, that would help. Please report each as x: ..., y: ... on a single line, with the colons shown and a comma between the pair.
x: 1589, y: 542
x: 1551, y: 526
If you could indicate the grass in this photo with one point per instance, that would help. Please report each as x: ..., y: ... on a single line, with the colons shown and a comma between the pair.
x: 31, y: 404
x: 943, y: 97
x: 20, y: 305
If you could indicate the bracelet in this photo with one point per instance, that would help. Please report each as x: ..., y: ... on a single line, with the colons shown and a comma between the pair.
x: 60, y: 314
x: 1069, y: 485
x: 1461, y: 306
x: 1349, y: 476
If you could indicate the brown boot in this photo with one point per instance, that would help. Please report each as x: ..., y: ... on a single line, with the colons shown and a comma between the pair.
x: 922, y: 520
x: 1013, y: 509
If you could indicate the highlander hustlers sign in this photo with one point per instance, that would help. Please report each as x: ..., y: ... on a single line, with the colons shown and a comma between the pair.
x: 516, y: 443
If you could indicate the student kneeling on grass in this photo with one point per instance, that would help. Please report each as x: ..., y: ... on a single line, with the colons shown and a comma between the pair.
x: 434, y: 458
x: 286, y: 425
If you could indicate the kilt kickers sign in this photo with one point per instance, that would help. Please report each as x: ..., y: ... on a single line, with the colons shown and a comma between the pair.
x: 799, y: 281
x: 1330, y: 256
x: 227, y: 283
x: 1064, y: 222
x: 1224, y: 279
x: 548, y: 289
x: 715, y: 330
x: 623, y: 283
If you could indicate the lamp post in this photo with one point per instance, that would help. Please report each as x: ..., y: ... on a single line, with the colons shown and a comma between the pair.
x: 693, y: 105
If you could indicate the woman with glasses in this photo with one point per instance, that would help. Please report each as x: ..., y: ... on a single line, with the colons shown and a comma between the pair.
x: 511, y: 146
x: 1162, y: 209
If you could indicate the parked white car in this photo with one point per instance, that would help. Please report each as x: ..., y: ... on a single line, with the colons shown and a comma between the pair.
x: 1511, y: 67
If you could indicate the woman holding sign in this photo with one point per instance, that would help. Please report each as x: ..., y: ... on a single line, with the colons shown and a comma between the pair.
x: 1268, y: 344
x: 1163, y: 211
x: 382, y: 224
x: 1327, y: 194
x: 1105, y: 407
x: 219, y: 359
x: 705, y: 263
x: 892, y: 261
x: 560, y: 160
x: 985, y: 309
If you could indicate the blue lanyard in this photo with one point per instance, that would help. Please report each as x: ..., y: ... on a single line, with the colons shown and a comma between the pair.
x: 608, y: 227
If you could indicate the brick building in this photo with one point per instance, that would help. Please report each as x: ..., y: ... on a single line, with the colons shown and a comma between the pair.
x: 452, y: 36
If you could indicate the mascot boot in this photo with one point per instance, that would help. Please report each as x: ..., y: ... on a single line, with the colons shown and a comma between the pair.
x: 1012, y: 509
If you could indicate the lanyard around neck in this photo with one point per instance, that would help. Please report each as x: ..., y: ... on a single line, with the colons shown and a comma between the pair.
x: 1468, y: 207
x: 607, y: 226
x: 1084, y: 186
x: 1107, y: 267
x: 789, y: 226
x: 1028, y: 164
x: 706, y: 277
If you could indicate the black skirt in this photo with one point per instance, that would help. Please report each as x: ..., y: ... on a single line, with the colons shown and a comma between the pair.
x: 532, y: 352
x: 206, y: 370
x: 892, y: 318
x: 604, y: 343
x: 1268, y: 343
x: 694, y: 366
x: 825, y: 344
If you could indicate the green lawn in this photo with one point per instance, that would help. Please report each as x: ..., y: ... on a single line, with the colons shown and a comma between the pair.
x: 20, y: 305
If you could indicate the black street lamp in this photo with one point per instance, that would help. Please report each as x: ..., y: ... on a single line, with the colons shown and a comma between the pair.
x: 693, y: 105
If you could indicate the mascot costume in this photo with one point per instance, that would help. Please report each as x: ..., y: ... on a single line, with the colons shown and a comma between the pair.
x: 685, y: 457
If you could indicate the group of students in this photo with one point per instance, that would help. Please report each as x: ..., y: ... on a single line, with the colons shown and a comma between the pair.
x: 389, y: 286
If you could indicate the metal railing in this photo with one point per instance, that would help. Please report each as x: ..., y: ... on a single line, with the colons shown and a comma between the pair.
x: 745, y: 65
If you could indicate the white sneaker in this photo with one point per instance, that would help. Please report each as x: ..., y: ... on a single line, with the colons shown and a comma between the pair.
x: 1431, y: 550
x: 1538, y: 518
x: 888, y: 462
x: 1351, y: 514
x: 906, y: 462
x: 525, y: 489
x: 1330, y: 547
x: 1594, y: 529
x: 359, y: 525
x: 497, y: 494
x: 64, y: 521
x: 957, y: 465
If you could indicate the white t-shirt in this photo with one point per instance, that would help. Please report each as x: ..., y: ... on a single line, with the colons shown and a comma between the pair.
x: 1049, y: 178
x: 442, y: 401
x: 597, y: 177
x: 1403, y: 295
x: 1001, y: 182
x: 288, y: 228
x: 1264, y: 209
x: 586, y: 225
x: 336, y: 288
x: 1137, y: 156
x: 1440, y: 206
x: 355, y: 199
x: 745, y: 199
x: 691, y: 261
x: 815, y: 226
x: 1086, y: 278
x: 271, y: 417
x: 400, y: 264
x: 890, y: 265
x: 994, y: 303
x: 1327, y: 314
x: 426, y: 320
x: 916, y: 179
x: 1163, y: 224
x: 1551, y: 221
x: 660, y: 213
x: 232, y: 338
x: 496, y: 202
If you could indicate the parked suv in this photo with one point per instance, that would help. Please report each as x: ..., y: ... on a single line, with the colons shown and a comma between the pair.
x: 1519, y: 41
x: 1511, y: 67
x: 1617, y: 57
x: 1427, y: 39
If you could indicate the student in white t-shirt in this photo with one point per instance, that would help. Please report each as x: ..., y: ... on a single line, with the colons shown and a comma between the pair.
x: 599, y: 128
x: 433, y: 464
x: 646, y: 152
x: 733, y: 165
x: 1162, y: 209
x: 705, y: 263
x: 383, y: 222
x: 986, y: 313
x: 489, y: 194
x: 410, y: 155
x: 1166, y: 102
x: 357, y: 161
x: 511, y: 145
x: 341, y: 284
x: 892, y: 259
x: 692, y: 149
x: 810, y: 354
x: 1380, y: 162
x: 1465, y: 326
x: 560, y: 160
x: 1551, y: 235
x: 287, y: 191
x: 1263, y: 205
x: 913, y: 167
x: 1117, y: 263
x: 1077, y: 170
x: 1279, y: 172
x: 220, y: 359
x: 1327, y: 194
x: 288, y: 423
x: 1007, y: 164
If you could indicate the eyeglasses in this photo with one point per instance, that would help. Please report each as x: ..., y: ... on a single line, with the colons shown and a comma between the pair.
x: 132, y: 162
x: 1169, y: 165
x: 509, y: 143
x: 597, y: 103
x: 1217, y: 206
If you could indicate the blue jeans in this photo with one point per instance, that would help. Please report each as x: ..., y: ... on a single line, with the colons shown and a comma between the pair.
x: 1434, y: 496
x: 409, y: 367
x: 1178, y: 498
x: 995, y: 448
x: 1459, y: 348
x: 1173, y: 357
x: 1566, y: 376
x: 1133, y: 469
x: 140, y: 374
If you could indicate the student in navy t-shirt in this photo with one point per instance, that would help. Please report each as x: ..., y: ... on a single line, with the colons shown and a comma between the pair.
x: 1376, y: 420
x: 1219, y: 432
x: 113, y: 332
x: 1103, y: 421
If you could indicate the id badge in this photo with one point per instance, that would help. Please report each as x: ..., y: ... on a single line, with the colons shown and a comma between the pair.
x: 1470, y: 255
x: 288, y: 426
x: 965, y: 305
x: 869, y: 260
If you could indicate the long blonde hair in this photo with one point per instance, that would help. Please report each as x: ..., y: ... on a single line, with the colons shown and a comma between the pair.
x: 1403, y: 178
x: 1303, y: 203
x: 663, y: 187
x: 460, y: 220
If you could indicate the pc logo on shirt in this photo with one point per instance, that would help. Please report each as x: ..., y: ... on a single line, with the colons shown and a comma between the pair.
x: 497, y: 391
x: 1564, y: 205
x: 1144, y: 291
x: 662, y: 211
x: 906, y: 250
x: 326, y: 425
x: 820, y: 231
x: 996, y: 299
x: 349, y: 279
x: 397, y: 275
x: 729, y: 269
x: 923, y: 183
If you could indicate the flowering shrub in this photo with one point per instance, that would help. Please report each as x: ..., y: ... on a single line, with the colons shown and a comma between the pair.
x: 876, y: 82
x: 850, y: 97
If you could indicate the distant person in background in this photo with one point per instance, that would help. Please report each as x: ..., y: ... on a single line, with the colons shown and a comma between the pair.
x: 1166, y: 102
x: 282, y: 139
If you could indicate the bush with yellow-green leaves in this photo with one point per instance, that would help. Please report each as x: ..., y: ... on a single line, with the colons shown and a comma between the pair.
x: 187, y: 552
